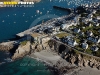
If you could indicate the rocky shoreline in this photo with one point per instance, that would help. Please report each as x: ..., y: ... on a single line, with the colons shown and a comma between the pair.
x: 46, y: 51
x: 72, y: 60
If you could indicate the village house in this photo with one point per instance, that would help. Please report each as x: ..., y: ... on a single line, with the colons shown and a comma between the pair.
x: 89, y: 24
x: 98, y: 17
x: 90, y: 15
x: 84, y: 45
x: 97, y: 24
x: 94, y: 11
x: 36, y: 37
x: 89, y: 33
x: 76, y: 30
x: 70, y: 41
x: 97, y: 39
x: 94, y: 39
x: 76, y: 19
x: 94, y: 48
x: 81, y: 33
x: 57, y: 29
x: 65, y: 26
x: 68, y: 24
x: 99, y: 30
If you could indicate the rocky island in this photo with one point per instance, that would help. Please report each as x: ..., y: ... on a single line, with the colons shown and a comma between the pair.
x: 69, y: 43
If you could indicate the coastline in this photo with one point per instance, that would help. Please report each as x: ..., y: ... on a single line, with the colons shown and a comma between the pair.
x: 52, y: 59
x: 46, y: 55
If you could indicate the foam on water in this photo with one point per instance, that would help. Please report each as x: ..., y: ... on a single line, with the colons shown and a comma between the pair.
x: 25, y: 66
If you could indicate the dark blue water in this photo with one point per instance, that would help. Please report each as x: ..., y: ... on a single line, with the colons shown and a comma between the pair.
x: 15, y: 20
x: 25, y: 66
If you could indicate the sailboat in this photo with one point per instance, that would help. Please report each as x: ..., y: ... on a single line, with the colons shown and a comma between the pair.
x: 37, y: 11
x: 3, y: 21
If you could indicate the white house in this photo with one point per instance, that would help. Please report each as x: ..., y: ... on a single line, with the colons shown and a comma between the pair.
x: 64, y: 26
x: 97, y: 39
x: 94, y: 48
x: 90, y: 38
x: 89, y: 33
x: 90, y: 25
x: 72, y: 42
x: 76, y: 18
x: 81, y: 33
x: 84, y: 45
x: 94, y: 39
x: 98, y: 17
x: 57, y: 29
x: 99, y: 30
x: 89, y: 19
x: 94, y: 11
x: 77, y: 30
x: 90, y: 15
x: 97, y: 24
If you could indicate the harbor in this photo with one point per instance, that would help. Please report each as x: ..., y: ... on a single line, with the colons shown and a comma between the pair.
x: 62, y: 8
x: 41, y: 46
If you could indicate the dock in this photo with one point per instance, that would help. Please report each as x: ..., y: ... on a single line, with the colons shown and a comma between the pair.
x: 63, y: 8
x: 49, y: 23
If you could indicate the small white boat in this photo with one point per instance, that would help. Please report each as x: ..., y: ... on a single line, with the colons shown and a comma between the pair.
x: 8, y: 60
x: 14, y: 22
x: 26, y: 21
x: 37, y: 11
x: 32, y: 16
x: 47, y: 11
x: 43, y: 8
x: 40, y: 12
x: 3, y: 21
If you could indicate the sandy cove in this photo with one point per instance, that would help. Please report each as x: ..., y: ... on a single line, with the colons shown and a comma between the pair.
x: 52, y: 58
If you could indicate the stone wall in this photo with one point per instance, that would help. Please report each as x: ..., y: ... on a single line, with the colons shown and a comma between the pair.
x: 82, y: 60
x: 22, y: 51
x: 6, y: 46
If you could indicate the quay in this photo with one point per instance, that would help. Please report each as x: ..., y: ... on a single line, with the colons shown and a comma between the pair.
x: 49, y: 23
x: 62, y: 8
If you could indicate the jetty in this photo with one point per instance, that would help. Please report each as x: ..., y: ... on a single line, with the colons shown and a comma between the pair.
x: 63, y: 8
x: 49, y: 23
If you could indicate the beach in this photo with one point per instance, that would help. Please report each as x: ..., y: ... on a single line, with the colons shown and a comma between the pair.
x: 51, y: 58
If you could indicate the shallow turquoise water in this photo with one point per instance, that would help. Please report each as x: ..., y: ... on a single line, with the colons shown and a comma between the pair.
x: 25, y: 66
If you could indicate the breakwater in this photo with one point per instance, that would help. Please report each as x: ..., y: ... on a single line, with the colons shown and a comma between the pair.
x: 62, y: 8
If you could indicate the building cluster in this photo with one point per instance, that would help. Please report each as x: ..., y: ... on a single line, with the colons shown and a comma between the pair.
x: 83, y: 29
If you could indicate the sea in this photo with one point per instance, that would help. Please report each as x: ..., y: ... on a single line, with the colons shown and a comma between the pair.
x: 14, y: 20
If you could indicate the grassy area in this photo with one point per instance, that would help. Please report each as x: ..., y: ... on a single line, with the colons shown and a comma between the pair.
x: 88, y: 51
x: 23, y: 43
x: 87, y: 28
x: 77, y: 40
x: 61, y: 35
x: 80, y: 48
x: 84, y: 15
x: 97, y: 53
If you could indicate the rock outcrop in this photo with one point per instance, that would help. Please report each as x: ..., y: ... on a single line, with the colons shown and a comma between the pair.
x: 82, y: 60
x: 6, y: 46
x: 22, y: 51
